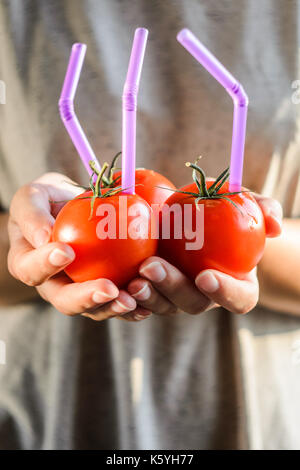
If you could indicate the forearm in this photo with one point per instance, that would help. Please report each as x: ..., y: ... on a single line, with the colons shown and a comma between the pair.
x: 11, y: 290
x: 279, y: 270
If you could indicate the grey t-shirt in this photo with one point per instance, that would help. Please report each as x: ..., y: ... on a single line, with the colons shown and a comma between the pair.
x: 213, y: 381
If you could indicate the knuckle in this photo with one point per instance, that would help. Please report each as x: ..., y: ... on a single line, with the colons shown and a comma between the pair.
x: 25, y: 193
x: 28, y: 280
x: 25, y: 276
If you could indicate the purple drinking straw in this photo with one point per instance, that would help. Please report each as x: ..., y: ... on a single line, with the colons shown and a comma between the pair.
x: 66, y: 107
x: 129, y: 99
x: 237, y: 93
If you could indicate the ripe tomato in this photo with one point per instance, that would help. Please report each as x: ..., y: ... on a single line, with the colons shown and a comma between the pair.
x: 149, y: 185
x: 234, y: 233
x: 116, y: 257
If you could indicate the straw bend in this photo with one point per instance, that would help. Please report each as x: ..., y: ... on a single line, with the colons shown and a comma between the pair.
x: 237, y: 93
x: 131, y: 86
x: 66, y: 107
x: 129, y: 97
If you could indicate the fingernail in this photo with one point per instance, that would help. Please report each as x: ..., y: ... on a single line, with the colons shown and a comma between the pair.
x: 154, y: 271
x: 207, y: 282
x: 110, y: 292
x: 142, y: 313
x: 141, y: 317
x: 143, y: 294
x: 100, y: 297
x: 40, y: 238
x: 119, y: 307
x: 59, y: 257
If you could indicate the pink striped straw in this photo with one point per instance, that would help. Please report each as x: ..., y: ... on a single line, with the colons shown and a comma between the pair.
x: 237, y: 93
x: 66, y: 107
x: 129, y: 99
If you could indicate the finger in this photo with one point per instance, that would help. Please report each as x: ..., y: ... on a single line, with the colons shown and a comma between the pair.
x: 34, y: 266
x: 148, y: 297
x: 272, y: 212
x: 174, y: 285
x: 72, y: 298
x: 123, y: 304
x: 235, y: 295
x: 136, y: 315
x: 30, y: 210
x: 60, y: 189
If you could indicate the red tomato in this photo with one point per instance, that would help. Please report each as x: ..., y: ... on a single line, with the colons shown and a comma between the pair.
x: 148, y: 184
x: 117, y: 259
x: 234, y: 235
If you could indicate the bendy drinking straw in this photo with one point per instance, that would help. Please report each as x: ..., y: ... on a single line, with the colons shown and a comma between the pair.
x: 237, y: 93
x: 66, y: 107
x: 129, y: 100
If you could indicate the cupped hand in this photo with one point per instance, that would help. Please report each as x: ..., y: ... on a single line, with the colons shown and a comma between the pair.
x: 36, y: 261
x: 164, y: 290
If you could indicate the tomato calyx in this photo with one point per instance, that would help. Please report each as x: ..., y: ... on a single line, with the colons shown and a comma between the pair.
x: 97, y: 187
x: 211, y: 192
x: 109, y: 181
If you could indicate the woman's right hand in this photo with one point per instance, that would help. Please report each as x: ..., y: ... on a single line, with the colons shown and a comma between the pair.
x: 36, y: 261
